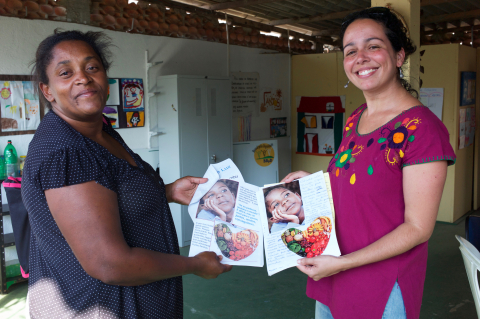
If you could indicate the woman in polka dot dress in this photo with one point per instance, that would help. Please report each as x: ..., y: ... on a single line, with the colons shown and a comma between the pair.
x: 103, y: 239
x: 387, y: 180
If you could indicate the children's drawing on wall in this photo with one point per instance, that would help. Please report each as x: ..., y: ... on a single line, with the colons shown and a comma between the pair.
x: 12, y: 101
x: 135, y: 119
x: 467, y: 88
x: 111, y: 113
x: 278, y: 127
x: 244, y: 128
x: 32, y: 106
x: 271, y: 100
x: 319, y: 124
x: 113, y: 97
x: 132, y: 94
x: 467, y: 127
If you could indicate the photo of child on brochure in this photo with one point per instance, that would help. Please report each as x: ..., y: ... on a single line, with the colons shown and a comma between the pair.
x: 283, y: 204
x: 219, y: 201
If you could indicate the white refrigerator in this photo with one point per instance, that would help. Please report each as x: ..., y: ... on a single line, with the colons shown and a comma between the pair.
x: 257, y: 161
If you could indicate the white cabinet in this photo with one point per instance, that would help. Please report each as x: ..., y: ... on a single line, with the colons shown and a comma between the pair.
x: 195, y: 121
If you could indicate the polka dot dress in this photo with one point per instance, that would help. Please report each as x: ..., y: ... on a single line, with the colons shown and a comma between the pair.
x: 59, y: 287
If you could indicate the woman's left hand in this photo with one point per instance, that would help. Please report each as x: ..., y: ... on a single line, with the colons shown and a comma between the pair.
x: 181, y: 191
x: 321, y: 266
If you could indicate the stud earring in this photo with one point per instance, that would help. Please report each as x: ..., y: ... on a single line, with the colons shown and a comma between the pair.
x: 401, y: 73
x: 346, y: 85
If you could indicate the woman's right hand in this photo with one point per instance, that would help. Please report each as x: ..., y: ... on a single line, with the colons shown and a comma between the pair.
x: 209, y: 266
x: 210, y: 206
x: 294, y: 175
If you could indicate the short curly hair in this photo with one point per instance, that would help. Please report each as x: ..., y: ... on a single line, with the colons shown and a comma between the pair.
x: 99, y: 41
x: 395, y: 31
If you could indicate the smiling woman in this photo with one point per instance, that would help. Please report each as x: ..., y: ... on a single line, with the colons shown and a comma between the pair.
x: 385, y: 202
x: 104, y: 244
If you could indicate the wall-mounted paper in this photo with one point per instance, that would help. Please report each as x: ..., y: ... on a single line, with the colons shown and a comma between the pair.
x: 244, y: 92
x: 132, y: 95
x: 113, y: 97
x: 433, y: 99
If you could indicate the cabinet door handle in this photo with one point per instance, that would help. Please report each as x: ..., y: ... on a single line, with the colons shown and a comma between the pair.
x: 214, y: 158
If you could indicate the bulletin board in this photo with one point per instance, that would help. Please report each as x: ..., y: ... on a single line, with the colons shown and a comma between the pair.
x: 319, y: 124
x: 20, y: 108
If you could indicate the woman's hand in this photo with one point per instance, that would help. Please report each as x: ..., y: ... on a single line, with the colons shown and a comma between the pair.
x: 209, y: 266
x: 181, y: 191
x: 210, y: 206
x: 321, y: 266
x: 279, y: 217
x: 294, y: 175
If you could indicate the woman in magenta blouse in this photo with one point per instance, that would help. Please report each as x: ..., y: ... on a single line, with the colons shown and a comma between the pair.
x: 387, y: 180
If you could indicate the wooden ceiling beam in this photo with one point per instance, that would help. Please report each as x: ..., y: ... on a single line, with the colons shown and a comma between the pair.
x: 462, y: 29
x: 340, y: 14
x: 235, y: 4
x: 451, y: 17
x: 321, y: 17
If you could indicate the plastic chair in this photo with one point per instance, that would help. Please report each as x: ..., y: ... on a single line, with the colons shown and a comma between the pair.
x: 471, y: 258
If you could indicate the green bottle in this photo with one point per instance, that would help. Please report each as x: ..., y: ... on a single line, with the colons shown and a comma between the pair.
x: 11, y: 160
x: 2, y: 168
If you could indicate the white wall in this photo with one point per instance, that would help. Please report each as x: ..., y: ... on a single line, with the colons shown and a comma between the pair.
x: 20, y: 38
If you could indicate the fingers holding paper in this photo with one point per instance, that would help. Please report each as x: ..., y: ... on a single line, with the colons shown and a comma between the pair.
x: 321, y: 266
x: 209, y: 266
x: 181, y: 191
x: 294, y: 175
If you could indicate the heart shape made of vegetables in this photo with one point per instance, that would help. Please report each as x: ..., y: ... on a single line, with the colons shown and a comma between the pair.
x: 310, y: 242
x: 235, y: 246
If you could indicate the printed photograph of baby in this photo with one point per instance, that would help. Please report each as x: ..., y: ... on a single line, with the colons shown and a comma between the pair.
x: 219, y: 201
x: 283, y: 205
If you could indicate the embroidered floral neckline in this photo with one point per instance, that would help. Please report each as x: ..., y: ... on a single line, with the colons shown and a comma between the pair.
x: 366, y: 134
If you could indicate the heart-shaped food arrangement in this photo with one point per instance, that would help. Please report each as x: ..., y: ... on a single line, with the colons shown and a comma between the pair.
x: 310, y: 242
x: 236, y: 246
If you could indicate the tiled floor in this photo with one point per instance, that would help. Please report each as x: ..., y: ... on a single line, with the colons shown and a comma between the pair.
x: 248, y: 292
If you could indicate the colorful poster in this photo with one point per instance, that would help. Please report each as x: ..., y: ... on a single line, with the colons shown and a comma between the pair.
x: 135, y: 119
x: 319, y: 124
x: 32, y: 106
x: 467, y: 88
x: 132, y: 95
x: 12, y: 103
x: 113, y: 92
x: 278, y: 127
x: 111, y: 113
x: 466, y: 128
x: 272, y: 100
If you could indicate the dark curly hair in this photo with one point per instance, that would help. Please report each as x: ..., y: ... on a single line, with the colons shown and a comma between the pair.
x: 395, y: 31
x: 99, y: 42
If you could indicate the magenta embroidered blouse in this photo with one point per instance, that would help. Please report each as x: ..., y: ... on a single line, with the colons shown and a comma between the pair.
x: 366, y: 177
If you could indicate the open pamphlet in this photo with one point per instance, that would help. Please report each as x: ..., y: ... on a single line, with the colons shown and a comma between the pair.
x: 226, y: 219
x: 298, y: 221
x: 237, y: 220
